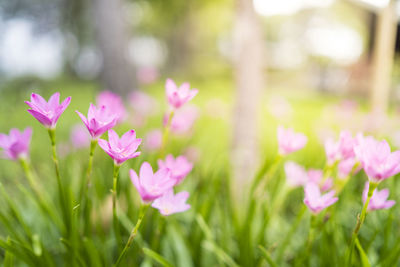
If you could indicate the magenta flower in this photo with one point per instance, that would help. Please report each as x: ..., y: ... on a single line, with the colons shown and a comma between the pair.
x: 153, y: 140
x: 289, y: 141
x: 47, y: 113
x: 378, y: 161
x: 114, y: 104
x: 169, y: 203
x: 79, y: 136
x: 315, y: 201
x: 378, y: 200
x: 121, y: 149
x: 177, y: 97
x: 151, y: 185
x: 296, y: 175
x: 98, y: 121
x: 183, y: 120
x: 179, y: 167
x: 16, y: 144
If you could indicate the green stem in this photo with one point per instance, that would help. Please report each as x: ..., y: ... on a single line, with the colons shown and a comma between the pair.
x: 64, y: 207
x: 38, y: 191
x: 166, y: 134
x: 360, y: 220
x: 135, y: 229
x: 291, y: 232
x: 114, y: 205
x: 85, y: 195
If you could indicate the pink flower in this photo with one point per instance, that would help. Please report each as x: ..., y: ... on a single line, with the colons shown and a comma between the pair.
x: 169, y: 203
x: 346, y: 166
x: 47, y: 113
x: 114, y: 104
x: 153, y: 140
x: 316, y: 176
x: 177, y: 97
x: 151, y: 185
x: 378, y: 161
x: 331, y: 151
x: 121, y: 149
x: 378, y: 200
x: 142, y: 103
x: 179, y: 167
x: 98, y: 121
x: 296, y: 175
x: 16, y: 144
x: 315, y: 201
x: 343, y: 149
x: 183, y: 120
x: 289, y: 141
x: 79, y: 136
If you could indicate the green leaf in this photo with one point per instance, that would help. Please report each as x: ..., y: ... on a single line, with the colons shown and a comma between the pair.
x: 363, y: 255
x: 21, y: 252
x: 157, y: 257
x: 8, y: 257
x: 266, y: 256
x: 222, y: 255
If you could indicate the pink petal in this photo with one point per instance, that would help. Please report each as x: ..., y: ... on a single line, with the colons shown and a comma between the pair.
x: 41, y: 118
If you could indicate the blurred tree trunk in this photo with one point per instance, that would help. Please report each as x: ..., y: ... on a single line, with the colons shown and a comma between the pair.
x: 112, y: 39
x: 383, y: 56
x: 248, y: 49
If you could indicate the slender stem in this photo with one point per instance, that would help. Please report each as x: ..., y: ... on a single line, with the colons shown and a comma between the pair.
x: 166, y: 134
x: 291, y: 232
x: 135, y: 229
x: 114, y: 205
x: 38, y: 191
x: 52, y: 135
x: 85, y: 192
x: 360, y: 220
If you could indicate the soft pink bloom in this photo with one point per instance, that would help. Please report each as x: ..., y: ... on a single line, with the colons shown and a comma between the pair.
x: 151, y: 185
x: 177, y: 97
x: 296, y: 175
x: 121, y: 149
x: 16, y: 144
x: 99, y: 120
x: 79, y: 136
x: 142, y: 103
x: 346, y: 145
x: 114, y: 104
x: 183, y: 120
x: 179, y: 167
x: 376, y: 158
x: 315, y: 201
x: 153, y: 140
x: 331, y: 151
x: 316, y: 176
x: 378, y: 200
x: 47, y: 113
x: 147, y: 75
x: 346, y: 166
x: 289, y: 141
x: 169, y: 203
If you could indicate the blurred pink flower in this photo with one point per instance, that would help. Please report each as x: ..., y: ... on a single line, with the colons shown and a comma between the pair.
x: 177, y: 97
x: 179, y: 167
x: 16, y: 144
x: 378, y: 200
x: 153, y: 140
x: 98, y: 121
x: 346, y: 166
x: 316, y: 176
x: 331, y: 151
x: 315, y: 201
x: 147, y: 75
x: 114, y: 104
x: 183, y: 120
x: 142, y: 103
x: 121, y: 149
x: 79, y: 136
x: 289, y: 141
x: 296, y: 175
x: 169, y: 203
x: 151, y: 185
x: 341, y: 150
x: 47, y: 113
x: 377, y: 160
